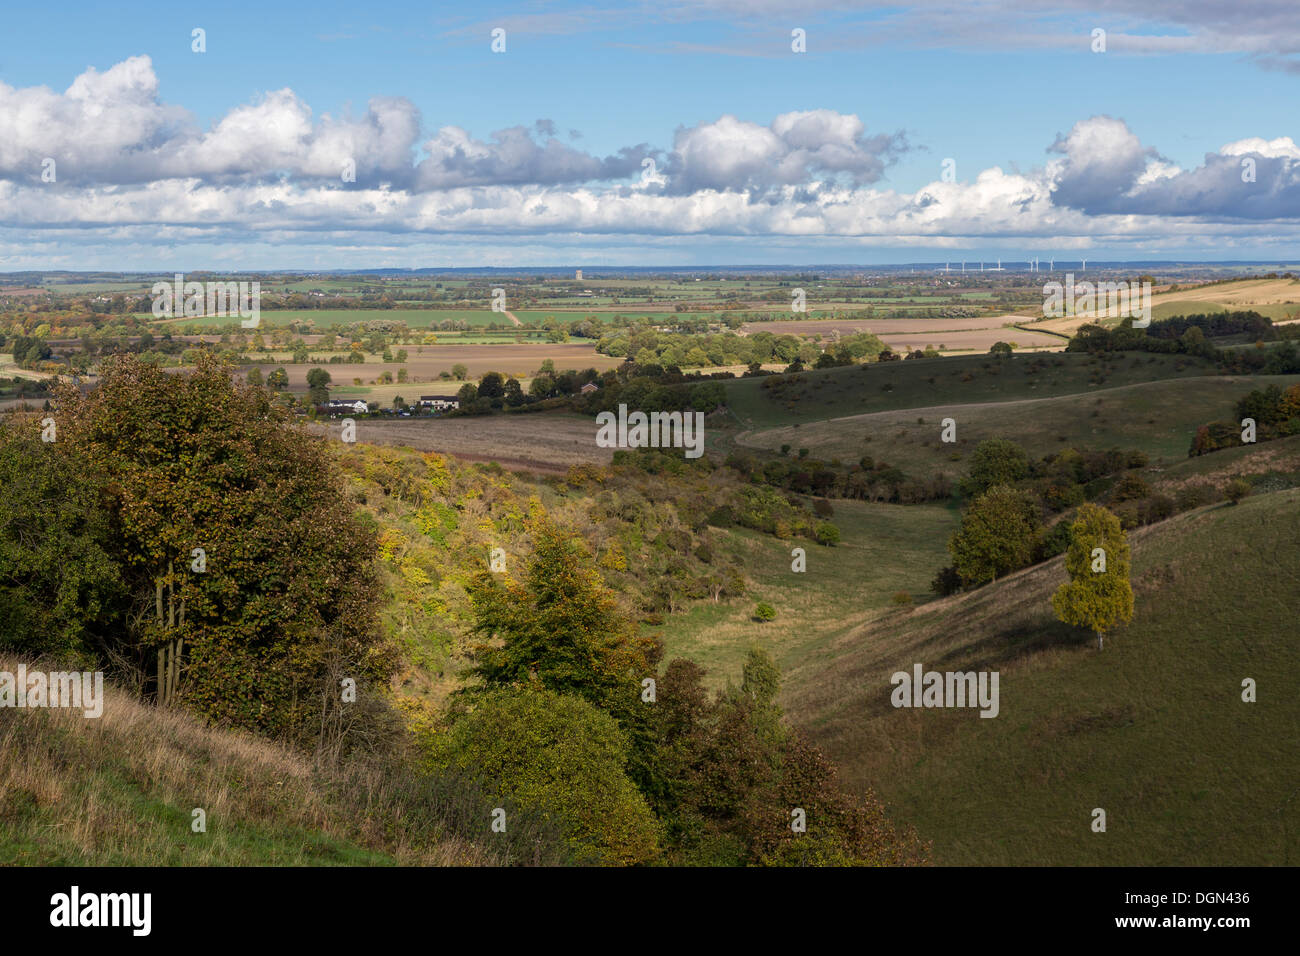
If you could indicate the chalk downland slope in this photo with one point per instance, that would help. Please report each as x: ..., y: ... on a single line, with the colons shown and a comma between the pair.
x: 1152, y: 729
x: 120, y: 790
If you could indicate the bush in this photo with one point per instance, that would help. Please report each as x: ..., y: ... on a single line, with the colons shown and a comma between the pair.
x: 1130, y: 488
x: 997, y: 535
x: 764, y: 612
x: 828, y: 534
x: 163, y: 461
x: 946, y: 581
x: 1236, y: 489
x: 901, y: 598
x: 561, y: 757
x: 722, y: 517
x: 1195, y: 495
x: 1053, y: 542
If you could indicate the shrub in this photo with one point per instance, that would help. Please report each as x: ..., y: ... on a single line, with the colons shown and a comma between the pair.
x: 164, y: 461
x: 946, y: 581
x: 722, y: 517
x: 1236, y: 489
x: 562, y: 757
x: 764, y: 612
x: 828, y: 534
x: 1130, y: 488
x: 901, y: 598
x: 997, y: 535
x: 1195, y: 495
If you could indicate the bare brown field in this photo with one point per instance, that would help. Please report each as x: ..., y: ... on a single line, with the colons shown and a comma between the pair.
x: 537, y: 441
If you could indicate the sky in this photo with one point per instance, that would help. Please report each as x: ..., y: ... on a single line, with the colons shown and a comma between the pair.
x: 674, y: 133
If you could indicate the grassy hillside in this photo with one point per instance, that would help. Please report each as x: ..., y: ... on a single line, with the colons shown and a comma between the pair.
x: 119, y: 790
x: 861, y: 389
x: 1152, y: 729
x: 886, y: 549
x: 1159, y: 418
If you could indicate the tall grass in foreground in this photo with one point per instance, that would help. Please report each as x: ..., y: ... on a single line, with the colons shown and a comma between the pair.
x: 121, y: 790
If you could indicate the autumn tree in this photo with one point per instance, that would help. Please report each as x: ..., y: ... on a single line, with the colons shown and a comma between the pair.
x: 1098, y: 595
x: 243, y: 583
x: 559, y: 626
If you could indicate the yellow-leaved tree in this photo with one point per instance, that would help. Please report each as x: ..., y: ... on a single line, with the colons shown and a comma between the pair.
x: 1098, y: 595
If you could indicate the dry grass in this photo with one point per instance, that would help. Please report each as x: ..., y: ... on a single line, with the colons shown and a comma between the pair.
x: 120, y: 790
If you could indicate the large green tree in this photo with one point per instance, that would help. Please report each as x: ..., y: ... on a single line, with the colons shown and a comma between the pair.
x: 242, y: 587
x: 995, y: 461
x: 997, y: 535
x: 1099, y: 594
x: 559, y: 625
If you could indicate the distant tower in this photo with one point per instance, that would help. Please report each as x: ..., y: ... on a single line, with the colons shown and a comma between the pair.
x: 1051, y: 264
x: 963, y: 267
x: 577, y: 275
x: 1084, y: 267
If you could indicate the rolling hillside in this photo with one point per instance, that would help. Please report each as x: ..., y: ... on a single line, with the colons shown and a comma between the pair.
x: 120, y: 790
x: 1160, y: 418
x: 1152, y: 729
x: 861, y: 389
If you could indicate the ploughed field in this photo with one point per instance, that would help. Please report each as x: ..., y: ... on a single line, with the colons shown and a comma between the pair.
x: 535, y: 441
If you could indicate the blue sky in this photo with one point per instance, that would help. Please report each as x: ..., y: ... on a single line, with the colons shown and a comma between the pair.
x: 882, y: 96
